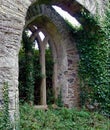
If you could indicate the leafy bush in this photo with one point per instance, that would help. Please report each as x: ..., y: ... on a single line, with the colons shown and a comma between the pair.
x: 5, y: 123
x: 61, y: 119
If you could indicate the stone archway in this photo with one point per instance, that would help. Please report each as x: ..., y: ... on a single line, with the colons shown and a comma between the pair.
x: 42, y: 48
x: 66, y: 49
x: 12, y: 17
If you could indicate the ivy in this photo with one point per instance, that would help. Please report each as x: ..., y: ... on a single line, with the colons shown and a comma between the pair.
x: 94, y: 49
x: 30, y: 86
x: 5, y: 122
x: 29, y: 73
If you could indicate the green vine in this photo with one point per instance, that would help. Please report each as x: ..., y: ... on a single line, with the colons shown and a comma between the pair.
x: 29, y: 74
x: 5, y: 123
x: 31, y: 85
x: 94, y: 48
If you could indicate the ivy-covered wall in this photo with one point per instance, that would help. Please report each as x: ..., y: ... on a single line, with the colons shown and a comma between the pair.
x: 93, y: 46
x: 94, y: 67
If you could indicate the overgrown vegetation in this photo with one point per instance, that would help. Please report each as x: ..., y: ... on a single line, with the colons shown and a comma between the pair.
x: 94, y: 48
x: 30, y: 73
x: 5, y: 123
x: 61, y: 119
x: 94, y: 68
x: 94, y: 71
x: 29, y: 68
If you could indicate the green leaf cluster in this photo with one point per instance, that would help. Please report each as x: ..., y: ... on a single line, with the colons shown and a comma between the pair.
x: 26, y: 59
x: 5, y: 122
x: 30, y: 73
x: 94, y: 67
x: 61, y: 119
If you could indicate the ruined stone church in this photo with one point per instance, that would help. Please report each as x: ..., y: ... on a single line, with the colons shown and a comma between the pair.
x: 36, y: 16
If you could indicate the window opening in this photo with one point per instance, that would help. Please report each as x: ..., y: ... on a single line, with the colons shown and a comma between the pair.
x: 66, y: 16
x: 42, y: 36
x: 36, y: 45
x: 37, y: 71
x: 35, y: 27
x: 28, y: 32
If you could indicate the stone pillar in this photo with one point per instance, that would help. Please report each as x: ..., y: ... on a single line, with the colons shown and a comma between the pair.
x: 9, y: 68
x: 43, y: 81
x: 42, y: 45
x: 55, y: 68
x: 10, y: 33
x: 54, y: 81
x: 12, y: 19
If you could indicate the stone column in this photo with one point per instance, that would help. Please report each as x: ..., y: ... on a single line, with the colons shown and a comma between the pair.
x: 54, y: 81
x: 42, y: 46
x: 55, y: 69
x: 43, y: 81
x: 12, y: 19
x: 10, y: 33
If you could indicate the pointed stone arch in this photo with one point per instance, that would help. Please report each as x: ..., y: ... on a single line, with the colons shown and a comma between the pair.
x: 57, y: 29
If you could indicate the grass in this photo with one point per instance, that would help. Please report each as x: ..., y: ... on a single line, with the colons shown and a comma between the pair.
x: 62, y: 119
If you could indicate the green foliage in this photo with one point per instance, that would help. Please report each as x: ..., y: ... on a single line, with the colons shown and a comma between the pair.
x: 26, y: 69
x: 22, y: 73
x: 62, y: 119
x: 29, y: 85
x: 94, y: 49
x: 49, y: 74
x: 37, y: 77
x: 59, y: 100
x: 5, y: 123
